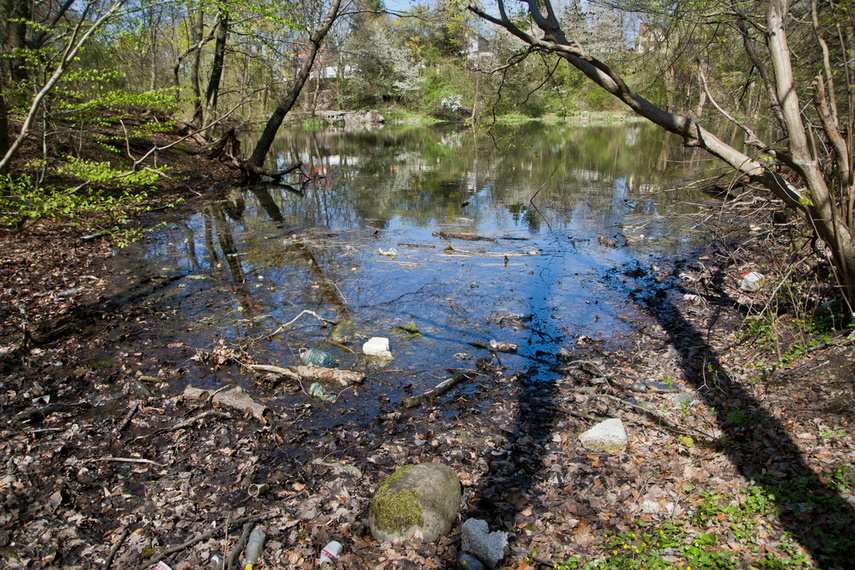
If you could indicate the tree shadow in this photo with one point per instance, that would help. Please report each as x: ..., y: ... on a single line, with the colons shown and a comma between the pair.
x: 810, y: 509
x: 755, y: 441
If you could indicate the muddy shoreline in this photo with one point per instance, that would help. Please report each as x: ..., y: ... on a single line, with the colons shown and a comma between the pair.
x: 104, y: 480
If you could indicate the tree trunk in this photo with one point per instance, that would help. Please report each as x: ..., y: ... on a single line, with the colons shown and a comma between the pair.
x: 196, y: 29
x: 213, y: 90
x: 702, y: 93
x: 4, y: 130
x: 255, y: 162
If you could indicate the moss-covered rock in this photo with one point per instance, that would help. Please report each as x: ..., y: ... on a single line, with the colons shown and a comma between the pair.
x: 417, y: 501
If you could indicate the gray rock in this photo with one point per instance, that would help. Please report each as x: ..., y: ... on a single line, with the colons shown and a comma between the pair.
x: 683, y: 398
x: 417, y: 501
x: 606, y: 436
x: 488, y: 547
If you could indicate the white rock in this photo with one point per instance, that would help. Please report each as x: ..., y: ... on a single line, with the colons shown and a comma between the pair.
x: 606, y: 436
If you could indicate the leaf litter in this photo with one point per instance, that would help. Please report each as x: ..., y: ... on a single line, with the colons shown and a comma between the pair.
x: 751, y: 464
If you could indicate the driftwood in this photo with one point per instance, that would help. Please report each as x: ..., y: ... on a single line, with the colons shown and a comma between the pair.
x: 437, y: 390
x: 316, y: 373
x: 468, y: 237
x: 235, y: 398
x: 319, y: 373
x: 286, y: 372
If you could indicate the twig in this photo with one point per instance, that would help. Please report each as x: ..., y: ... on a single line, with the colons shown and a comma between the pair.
x: 127, y: 420
x: 282, y: 327
x: 45, y: 411
x: 115, y: 549
x: 124, y: 460
x: 190, y: 421
x: 233, y: 555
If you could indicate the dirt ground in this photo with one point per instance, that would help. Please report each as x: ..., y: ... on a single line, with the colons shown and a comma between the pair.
x: 752, y: 468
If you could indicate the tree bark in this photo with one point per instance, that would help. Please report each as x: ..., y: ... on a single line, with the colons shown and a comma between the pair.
x: 212, y: 92
x: 256, y: 160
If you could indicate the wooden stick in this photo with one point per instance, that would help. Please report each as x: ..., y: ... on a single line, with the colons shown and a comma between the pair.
x: 127, y: 420
x: 125, y: 460
x: 115, y: 549
x: 45, y: 411
x: 437, y: 390
x: 190, y: 421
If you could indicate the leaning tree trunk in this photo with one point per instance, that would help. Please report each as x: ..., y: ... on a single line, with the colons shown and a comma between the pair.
x: 213, y: 91
x: 253, y: 166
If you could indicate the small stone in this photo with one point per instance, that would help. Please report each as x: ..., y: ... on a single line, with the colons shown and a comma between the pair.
x: 488, y: 547
x: 466, y: 561
x: 608, y: 436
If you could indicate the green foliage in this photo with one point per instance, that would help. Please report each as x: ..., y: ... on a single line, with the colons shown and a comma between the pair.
x: 103, y: 173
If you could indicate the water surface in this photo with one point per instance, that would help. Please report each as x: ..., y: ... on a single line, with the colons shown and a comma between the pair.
x: 374, y: 243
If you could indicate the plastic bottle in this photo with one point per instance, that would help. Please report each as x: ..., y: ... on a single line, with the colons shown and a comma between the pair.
x: 329, y: 554
x: 316, y: 357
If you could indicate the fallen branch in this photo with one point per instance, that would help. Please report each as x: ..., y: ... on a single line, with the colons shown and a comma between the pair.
x: 319, y: 373
x: 43, y: 412
x: 437, y: 390
x: 190, y: 421
x: 231, y: 560
x: 128, y: 416
x: 125, y: 460
x: 235, y: 398
x: 468, y: 237
x: 286, y: 372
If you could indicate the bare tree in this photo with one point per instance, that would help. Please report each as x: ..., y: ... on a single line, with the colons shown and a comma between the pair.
x: 819, y: 185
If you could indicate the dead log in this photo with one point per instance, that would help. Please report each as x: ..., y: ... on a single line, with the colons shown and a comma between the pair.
x: 235, y: 398
x: 286, y: 372
x: 321, y: 374
x: 437, y: 390
x: 467, y: 237
x: 315, y: 373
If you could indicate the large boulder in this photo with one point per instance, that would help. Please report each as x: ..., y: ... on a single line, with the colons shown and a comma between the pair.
x: 416, y: 501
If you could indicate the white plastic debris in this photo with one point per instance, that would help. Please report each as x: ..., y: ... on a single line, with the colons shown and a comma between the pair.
x: 752, y: 281
x: 390, y: 253
x: 329, y: 554
x: 378, y: 347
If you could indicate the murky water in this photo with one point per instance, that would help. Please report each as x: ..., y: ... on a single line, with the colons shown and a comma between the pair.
x: 375, y: 244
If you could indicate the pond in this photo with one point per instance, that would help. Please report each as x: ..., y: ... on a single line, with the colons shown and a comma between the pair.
x: 469, y: 235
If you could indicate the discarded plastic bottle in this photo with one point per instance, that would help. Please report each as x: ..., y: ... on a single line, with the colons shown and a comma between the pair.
x: 329, y: 554
x: 503, y: 346
x: 316, y: 357
x: 253, y: 547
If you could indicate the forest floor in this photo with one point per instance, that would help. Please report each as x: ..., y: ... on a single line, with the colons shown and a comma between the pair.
x: 751, y: 468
